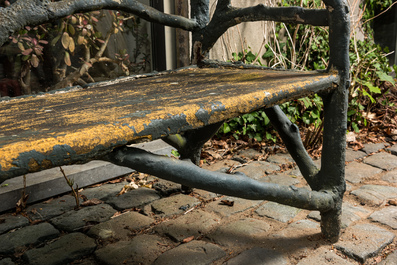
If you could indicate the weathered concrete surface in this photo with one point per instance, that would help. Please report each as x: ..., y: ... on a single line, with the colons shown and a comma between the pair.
x: 195, y: 224
x: 324, y: 256
x: 133, y: 198
x: 375, y: 194
x: 352, y: 155
x: 225, y: 210
x: 390, y: 176
x: 258, y: 169
x: 279, y: 212
x: 382, y: 160
x: 241, y: 232
x: 51, y: 208
x: 29, y: 235
x: 356, y: 172
x: 373, y: 148
x: 66, y: 249
x: 9, y: 222
x: 76, y: 220
x: 386, y: 216
x: 368, y: 240
x: 192, y: 253
x: 259, y: 256
x: 142, y: 249
x: 120, y: 226
x: 174, y: 205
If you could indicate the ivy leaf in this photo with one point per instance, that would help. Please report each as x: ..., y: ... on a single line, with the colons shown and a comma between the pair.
x: 226, y: 128
x: 385, y: 77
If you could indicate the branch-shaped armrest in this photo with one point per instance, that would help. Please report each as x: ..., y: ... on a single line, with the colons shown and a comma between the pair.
x: 33, y: 12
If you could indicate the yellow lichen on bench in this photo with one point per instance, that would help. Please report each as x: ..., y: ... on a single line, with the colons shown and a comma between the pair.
x: 53, y: 129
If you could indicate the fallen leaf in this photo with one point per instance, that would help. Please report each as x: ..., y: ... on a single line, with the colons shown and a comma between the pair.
x: 188, y: 239
x: 227, y: 202
x: 91, y: 202
x: 393, y: 202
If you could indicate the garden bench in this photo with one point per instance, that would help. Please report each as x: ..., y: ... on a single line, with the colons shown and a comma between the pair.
x: 186, y: 107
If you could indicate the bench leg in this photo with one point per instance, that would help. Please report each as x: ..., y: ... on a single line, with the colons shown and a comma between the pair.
x: 332, y: 173
x: 189, y: 144
x: 331, y: 176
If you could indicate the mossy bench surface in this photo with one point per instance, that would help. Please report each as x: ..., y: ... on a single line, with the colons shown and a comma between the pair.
x: 47, y: 130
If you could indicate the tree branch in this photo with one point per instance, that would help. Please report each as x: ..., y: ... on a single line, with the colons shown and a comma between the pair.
x: 35, y: 12
x: 239, y: 185
x: 289, y: 132
x: 226, y: 16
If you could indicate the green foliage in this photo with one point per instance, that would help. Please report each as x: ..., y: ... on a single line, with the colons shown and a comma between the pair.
x: 306, y: 47
x: 73, y: 51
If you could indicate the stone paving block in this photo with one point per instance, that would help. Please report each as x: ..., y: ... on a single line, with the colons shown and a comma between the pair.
x: 301, y: 230
x: 386, y: 216
x: 205, y: 195
x: 392, y: 149
x: 121, y: 226
x: 9, y: 222
x: 66, y: 249
x: 142, y: 249
x: 280, y: 159
x: 363, y: 241
x: 194, y: 223
x: 75, y: 220
x: 166, y: 187
x: 391, y: 259
x: 259, y: 256
x: 173, y: 205
x: 6, y: 261
x: 239, y: 205
x: 382, y: 160
x: 258, y: 169
x: 51, y: 208
x: 192, y: 253
x: 104, y: 191
x: 324, y: 256
x: 249, y: 154
x: 357, y: 172
x: 133, y: 198
x: 240, y: 233
x: 294, y: 172
x: 390, y: 176
x: 375, y: 194
x: 222, y: 165
x: 352, y: 155
x: 350, y: 214
x: 279, y: 212
x: 29, y: 235
x: 281, y: 179
x: 373, y: 148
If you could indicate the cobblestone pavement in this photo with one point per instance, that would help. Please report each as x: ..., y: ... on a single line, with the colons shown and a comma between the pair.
x: 161, y: 225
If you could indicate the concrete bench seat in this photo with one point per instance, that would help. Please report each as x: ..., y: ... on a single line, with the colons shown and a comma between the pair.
x: 77, y: 125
